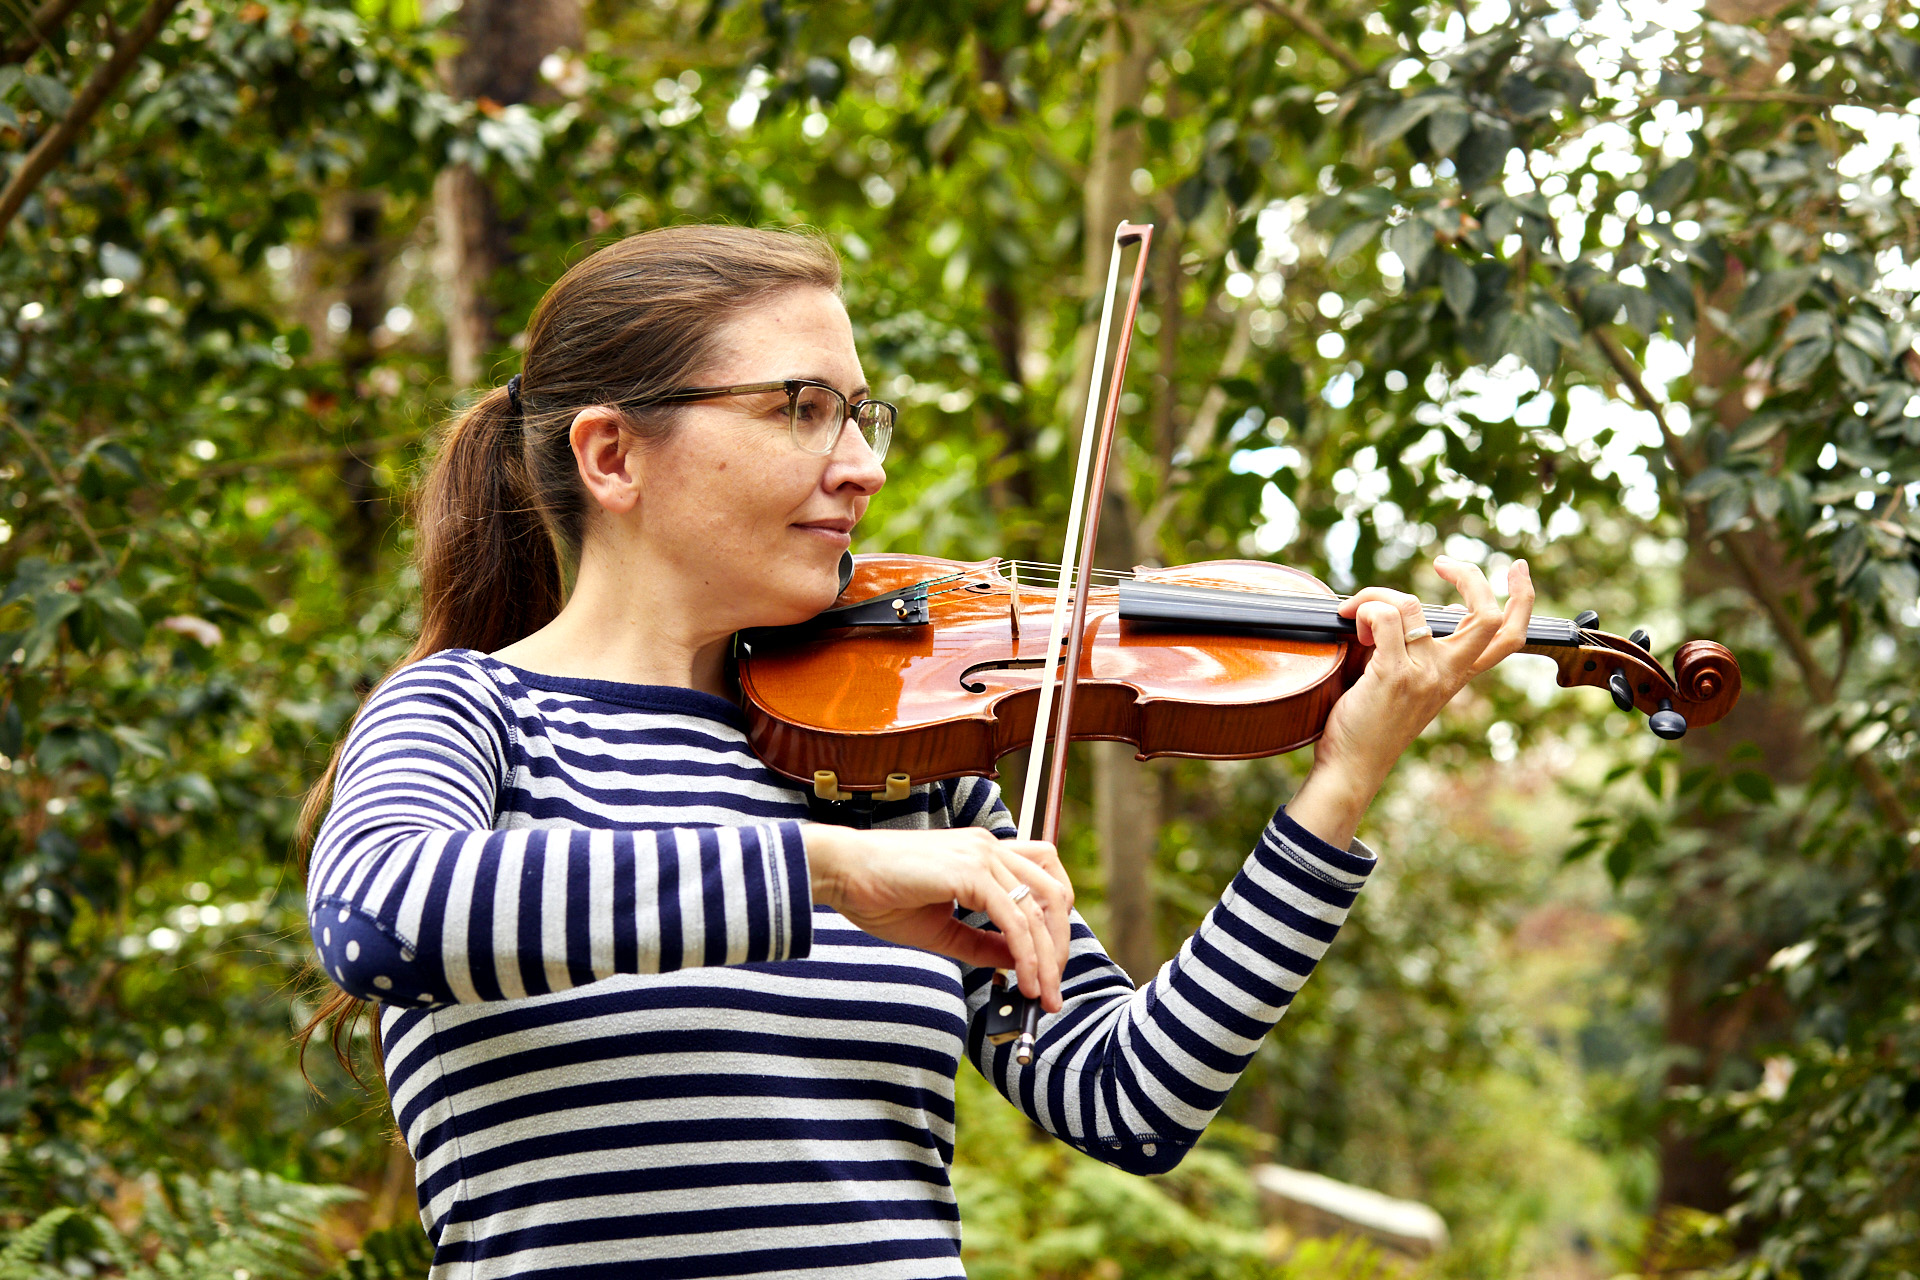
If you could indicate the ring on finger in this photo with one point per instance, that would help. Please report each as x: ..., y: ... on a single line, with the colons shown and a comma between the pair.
x: 1019, y: 892
x: 1419, y: 633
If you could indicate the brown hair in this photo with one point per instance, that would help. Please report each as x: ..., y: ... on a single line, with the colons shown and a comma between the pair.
x: 502, y: 508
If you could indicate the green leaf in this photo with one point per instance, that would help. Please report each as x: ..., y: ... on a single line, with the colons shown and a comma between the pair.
x: 1754, y: 785
x: 1756, y: 431
x: 1352, y: 238
x: 1728, y: 508
x: 13, y: 732
x: 1528, y: 100
x: 229, y: 589
x: 1619, y: 862
x: 1457, y: 285
x: 1412, y: 241
x: 1868, y: 334
x: 1856, y: 366
x: 49, y: 93
x: 1535, y: 346
x: 1483, y: 156
x: 1556, y: 320
x: 1671, y: 185
x: 1801, y: 361
x: 1447, y: 128
x: 1502, y: 220
x: 1773, y: 290
x: 1385, y: 126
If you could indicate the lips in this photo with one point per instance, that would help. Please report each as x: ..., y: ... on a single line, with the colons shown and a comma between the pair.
x: 841, y: 525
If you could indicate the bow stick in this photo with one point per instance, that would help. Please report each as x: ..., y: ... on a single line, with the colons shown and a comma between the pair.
x: 1076, y: 555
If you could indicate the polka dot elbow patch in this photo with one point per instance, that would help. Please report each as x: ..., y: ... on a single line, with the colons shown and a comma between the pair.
x: 366, y: 962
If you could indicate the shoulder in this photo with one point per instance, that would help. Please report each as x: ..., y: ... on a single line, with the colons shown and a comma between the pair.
x: 451, y: 690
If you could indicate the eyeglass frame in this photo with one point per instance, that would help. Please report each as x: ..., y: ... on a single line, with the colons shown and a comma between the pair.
x: 792, y: 386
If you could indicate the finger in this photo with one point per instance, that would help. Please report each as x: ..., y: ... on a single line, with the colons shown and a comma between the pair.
x: 1382, y: 625
x: 1512, y: 636
x: 978, y: 947
x: 1470, y: 638
x: 1048, y: 898
x: 986, y: 893
x: 1047, y: 858
x: 1353, y: 607
x: 1048, y: 950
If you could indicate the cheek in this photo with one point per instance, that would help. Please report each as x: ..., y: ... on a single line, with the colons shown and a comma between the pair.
x: 725, y: 492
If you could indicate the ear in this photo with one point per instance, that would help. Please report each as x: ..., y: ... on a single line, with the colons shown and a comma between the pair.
x: 608, y: 461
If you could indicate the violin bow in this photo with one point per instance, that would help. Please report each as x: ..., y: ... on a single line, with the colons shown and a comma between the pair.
x: 1070, y: 594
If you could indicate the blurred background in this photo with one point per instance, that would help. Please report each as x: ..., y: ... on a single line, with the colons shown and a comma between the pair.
x: 1622, y: 286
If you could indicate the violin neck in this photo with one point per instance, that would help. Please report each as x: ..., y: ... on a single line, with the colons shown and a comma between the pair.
x: 1288, y: 617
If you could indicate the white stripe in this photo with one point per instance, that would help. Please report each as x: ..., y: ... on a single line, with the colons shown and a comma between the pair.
x: 553, y: 910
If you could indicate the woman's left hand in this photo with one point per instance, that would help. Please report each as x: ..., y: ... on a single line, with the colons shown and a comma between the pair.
x: 1409, y: 677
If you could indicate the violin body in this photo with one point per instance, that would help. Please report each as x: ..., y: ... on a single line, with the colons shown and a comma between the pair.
x: 943, y: 678
x: 931, y: 701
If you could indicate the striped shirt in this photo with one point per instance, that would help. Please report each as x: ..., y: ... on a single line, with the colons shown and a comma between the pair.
x: 620, y: 1037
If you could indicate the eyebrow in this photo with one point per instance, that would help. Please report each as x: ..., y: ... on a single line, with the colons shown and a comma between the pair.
x: 860, y: 392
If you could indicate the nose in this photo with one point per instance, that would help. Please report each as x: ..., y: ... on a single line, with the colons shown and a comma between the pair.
x: 853, y: 463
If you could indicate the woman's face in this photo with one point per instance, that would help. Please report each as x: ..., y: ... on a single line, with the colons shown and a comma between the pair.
x: 740, y: 514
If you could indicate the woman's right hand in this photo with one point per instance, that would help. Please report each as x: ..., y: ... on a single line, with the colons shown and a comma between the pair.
x: 903, y: 885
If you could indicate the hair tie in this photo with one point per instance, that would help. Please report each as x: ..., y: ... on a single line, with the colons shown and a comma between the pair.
x: 513, y: 394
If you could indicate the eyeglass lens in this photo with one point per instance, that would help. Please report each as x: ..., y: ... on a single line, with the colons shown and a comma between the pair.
x: 819, y: 415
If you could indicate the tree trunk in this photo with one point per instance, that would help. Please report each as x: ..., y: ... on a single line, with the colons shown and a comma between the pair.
x: 1126, y: 794
x: 1717, y: 941
x: 502, y: 45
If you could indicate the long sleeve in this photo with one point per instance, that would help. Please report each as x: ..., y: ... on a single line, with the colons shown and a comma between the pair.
x: 1133, y: 1077
x: 415, y: 899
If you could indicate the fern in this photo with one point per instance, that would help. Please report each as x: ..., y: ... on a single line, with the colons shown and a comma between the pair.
x: 229, y: 1226
x: 24, y: 1257
x: 397, y: 1253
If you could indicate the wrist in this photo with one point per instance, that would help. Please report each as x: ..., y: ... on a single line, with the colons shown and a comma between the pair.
x: 1331, y: 802
x: 826, y: 847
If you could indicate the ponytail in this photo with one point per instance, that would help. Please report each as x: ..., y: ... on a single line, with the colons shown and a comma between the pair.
x: 502, y: 507
x: 489, y: 576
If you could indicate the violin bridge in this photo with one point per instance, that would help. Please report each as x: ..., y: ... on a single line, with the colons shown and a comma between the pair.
x: 826, y: 785
x: 1013, y: 603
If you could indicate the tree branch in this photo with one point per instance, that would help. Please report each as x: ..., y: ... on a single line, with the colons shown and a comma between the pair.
x: 312, y: 456
x: 1747, y: 563
x: 100, y: 86
x: 1310, y: 27
x: 67, y: 499
x: 41, y: 26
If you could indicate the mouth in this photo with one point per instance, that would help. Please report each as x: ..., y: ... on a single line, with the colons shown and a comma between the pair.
x: 838, y: 531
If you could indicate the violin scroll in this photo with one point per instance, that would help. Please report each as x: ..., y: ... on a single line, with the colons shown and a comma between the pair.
x: 1703, y: 687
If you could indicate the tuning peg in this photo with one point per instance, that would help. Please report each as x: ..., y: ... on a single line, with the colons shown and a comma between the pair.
x: 1622, y: 691
x: 1666, y: 722
x: 1586, y: 620
x: 1642, y: 638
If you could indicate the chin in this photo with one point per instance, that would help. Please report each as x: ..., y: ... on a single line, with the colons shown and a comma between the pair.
x: 799, y: 595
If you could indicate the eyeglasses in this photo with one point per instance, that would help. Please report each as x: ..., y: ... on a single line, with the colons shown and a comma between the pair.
x: 816, y: 413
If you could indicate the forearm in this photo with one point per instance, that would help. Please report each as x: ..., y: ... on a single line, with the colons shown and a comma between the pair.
x: 430, y: 917
x: 1134, y: 1077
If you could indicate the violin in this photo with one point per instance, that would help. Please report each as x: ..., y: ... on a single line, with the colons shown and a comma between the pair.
x: 927, y: 669
x: 930, y: 669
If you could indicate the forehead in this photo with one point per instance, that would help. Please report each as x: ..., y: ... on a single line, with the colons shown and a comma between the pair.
x: 800, y: 333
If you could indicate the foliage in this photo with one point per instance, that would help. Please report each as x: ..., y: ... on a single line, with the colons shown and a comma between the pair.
x: 1036, y: 1207
x: 1634, y: 302
x: 228, y: 1225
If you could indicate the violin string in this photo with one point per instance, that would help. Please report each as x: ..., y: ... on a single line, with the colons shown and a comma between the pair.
x: 1043, y: 578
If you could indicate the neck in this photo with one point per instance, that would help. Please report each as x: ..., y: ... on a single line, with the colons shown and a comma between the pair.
x: 608, y: 630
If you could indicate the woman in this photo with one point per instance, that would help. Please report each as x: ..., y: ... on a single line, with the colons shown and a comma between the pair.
x: 639, y: 1016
